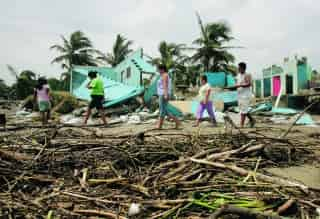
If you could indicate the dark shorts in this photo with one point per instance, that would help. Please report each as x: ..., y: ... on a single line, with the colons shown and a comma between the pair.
x: 96, y: 102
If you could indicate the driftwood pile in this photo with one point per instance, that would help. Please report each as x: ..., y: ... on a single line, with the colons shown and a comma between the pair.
x: 65, y: 172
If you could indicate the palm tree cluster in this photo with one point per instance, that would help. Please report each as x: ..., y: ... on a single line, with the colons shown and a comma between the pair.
x: 209, y: 52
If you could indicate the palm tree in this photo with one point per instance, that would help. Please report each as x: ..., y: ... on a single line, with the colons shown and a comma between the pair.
x: 121, y: 48
x: 4, y: 89
x: 25, y: 82
x: 170, y: 54
x: 211, y: 51
x: 75, y: 51
x: 27, y: 74
x: 187, y: 73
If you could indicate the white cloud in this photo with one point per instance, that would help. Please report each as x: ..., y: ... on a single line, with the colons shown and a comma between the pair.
x: 268, y: 29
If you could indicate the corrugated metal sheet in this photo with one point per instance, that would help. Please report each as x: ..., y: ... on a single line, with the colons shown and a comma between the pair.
x: 143, y: 66
x: 115, y: 92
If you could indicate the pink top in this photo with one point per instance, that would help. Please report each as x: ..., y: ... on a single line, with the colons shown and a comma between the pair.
x: 42, y: 95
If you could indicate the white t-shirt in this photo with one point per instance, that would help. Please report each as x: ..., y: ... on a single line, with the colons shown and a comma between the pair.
x: 203, y: 92
x: 243, y: 91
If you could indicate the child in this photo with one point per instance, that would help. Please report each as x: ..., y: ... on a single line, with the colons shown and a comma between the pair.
x: 42, y: 96
x: 205, y: 102
x: 96, y: 87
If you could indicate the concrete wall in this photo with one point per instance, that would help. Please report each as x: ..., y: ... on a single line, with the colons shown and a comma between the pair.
x: 300, y: 75
x: 127, y: 72
x: 257, y: 87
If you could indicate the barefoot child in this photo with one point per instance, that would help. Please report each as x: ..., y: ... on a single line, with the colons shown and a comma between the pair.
x: 205, y: 102
x: 41, y: 95
x: 164, y: 89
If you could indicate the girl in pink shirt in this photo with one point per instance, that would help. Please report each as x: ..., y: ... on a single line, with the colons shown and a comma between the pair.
x: 42, y: 97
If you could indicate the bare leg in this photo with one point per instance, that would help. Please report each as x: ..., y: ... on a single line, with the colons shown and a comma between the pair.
x: 176, y: 120
x: 45, y: 117
x: 42, y: 116
x: 87, y: 115
x: 197, y: 123
x: 160, y: 123
x: 48, y: 115
x: 242, y: 119
x: 252, y: 121
x: 103, y: 117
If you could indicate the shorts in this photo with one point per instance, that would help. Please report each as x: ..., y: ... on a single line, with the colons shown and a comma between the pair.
x: 96, y: 102
x: 44, y: 106
x: 163, y: 107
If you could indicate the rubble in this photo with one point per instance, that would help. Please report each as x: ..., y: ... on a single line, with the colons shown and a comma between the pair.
x: 70, y: 172
x: 131, y: 170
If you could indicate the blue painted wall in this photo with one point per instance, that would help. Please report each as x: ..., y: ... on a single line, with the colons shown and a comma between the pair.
x: 302, y: 77
x: 267, y: 87
x: 220, y: 79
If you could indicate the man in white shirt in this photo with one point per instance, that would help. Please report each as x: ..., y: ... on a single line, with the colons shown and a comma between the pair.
x: 244, y: 83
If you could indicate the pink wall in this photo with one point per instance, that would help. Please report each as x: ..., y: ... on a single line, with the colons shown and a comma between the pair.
x: 276, y: 81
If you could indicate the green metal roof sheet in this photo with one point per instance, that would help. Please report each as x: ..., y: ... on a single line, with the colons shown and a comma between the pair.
x: 143, y: 65
x: 115, y: 92
x: 105, y: 71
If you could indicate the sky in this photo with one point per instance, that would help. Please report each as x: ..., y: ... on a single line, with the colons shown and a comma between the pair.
x: 268, y: 30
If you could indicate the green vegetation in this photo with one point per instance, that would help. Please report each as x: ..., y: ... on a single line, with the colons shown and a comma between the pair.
x: 77, y: 50
x: 170, y: 54
x: 4, y: 90
x: 212, y: 201
x: 62, y: 102
x: 25, y: 81
x: 211, y: 50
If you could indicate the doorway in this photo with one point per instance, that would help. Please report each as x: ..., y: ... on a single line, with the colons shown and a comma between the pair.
x: 276, y: 81
x: 289, y: 84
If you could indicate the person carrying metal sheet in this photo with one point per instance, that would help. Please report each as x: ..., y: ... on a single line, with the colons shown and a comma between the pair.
x: 163, y: 90
x: 96, y: 87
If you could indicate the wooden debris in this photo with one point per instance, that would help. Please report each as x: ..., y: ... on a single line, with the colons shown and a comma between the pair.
x: 85, y: 171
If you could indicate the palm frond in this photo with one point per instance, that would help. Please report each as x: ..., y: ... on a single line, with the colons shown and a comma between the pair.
x: 13, y: 71
x: 60, y: 59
